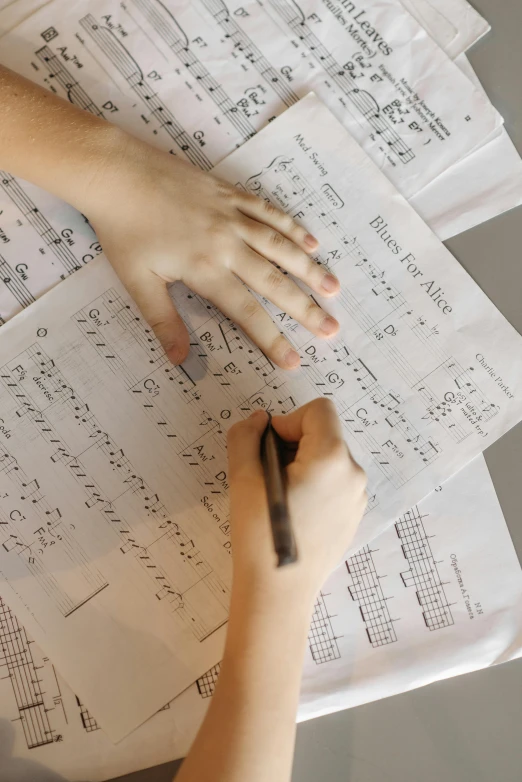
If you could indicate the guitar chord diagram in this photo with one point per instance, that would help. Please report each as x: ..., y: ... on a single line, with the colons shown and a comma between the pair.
x: 207, y: 683
x: 366, y: 590
x: 16, y: 655
x: 423, y: 574
x: 321, y: 637
x: 88, y: 721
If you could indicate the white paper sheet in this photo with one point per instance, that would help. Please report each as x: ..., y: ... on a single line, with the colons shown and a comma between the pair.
x: 479, y: 190
x: 42, y: 241
x: 454, y: 24
x: 423, y: 593
x: 483, y: 185
x: 476, y: 622
x: 309, y: 169
x: 397, y: 96
x: 424, y: 373
x: 13, y: 12
x: 90, y: 544
x: 489, y: 181
x: 80, y: 752
x: 475, y: 190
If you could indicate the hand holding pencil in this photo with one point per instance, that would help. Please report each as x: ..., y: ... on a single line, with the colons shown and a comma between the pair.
x: 324, y: 494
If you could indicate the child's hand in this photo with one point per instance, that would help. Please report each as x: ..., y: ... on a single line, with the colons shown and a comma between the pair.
x: 160, y: 219
x: 326, y: 496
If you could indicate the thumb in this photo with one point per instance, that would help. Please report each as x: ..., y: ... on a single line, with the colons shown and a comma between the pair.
x: 152, y: 297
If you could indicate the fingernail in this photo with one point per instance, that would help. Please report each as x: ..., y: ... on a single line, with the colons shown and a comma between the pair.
x: 174, y: 355
x: 310, y: 240
x: 291, y: 358
x: 330, y: 283
x: 329, y: 325
x: 258, y: 414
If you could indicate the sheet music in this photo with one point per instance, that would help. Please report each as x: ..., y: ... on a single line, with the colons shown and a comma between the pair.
x: 42, y: 241
x: 414, y: 608
x: 479, y: 190
x: 54, y: 240
x: 454, y: 24
x: 409, y: 373
x: 436, y: 593
x: 392, y: 323
x: 233, y: 67
x: 15, y: 303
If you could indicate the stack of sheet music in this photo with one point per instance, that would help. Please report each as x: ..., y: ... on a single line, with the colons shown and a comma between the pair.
x: 114, y: 540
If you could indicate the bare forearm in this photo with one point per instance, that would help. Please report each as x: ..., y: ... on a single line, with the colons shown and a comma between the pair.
x: 249, y: 731
x: 52, y: 143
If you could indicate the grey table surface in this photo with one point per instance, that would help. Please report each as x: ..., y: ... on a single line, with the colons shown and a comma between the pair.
x: 465, y: 729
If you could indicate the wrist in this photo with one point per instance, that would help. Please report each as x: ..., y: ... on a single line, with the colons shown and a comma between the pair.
x: 266, y: 642
x: 261, y: 582
x: 270, y: 602
x: 107, y: 177
x: 53, y: 144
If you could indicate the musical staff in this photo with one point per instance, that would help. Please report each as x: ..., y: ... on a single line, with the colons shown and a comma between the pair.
x: 14, y: 284
x: 59, y: 73
x: 242, y: 43
x: 129, y: 69
x: 16, y: 193
x: 176, y: 598
x: 130, y: 320
x: 465, y: 384
x: 167, y: 27
x: 360, y: 99
x: 299, y: 195
x: 47, y: 544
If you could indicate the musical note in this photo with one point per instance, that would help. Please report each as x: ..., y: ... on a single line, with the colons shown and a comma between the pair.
x: 116, y: 457
x: 81, y: 412
x: 153, y: 504
x: 31, y: 489
x: 54, y: 516
x: 286, y: 405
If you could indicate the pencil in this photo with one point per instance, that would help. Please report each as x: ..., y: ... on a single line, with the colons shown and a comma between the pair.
x: 273, y: 461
